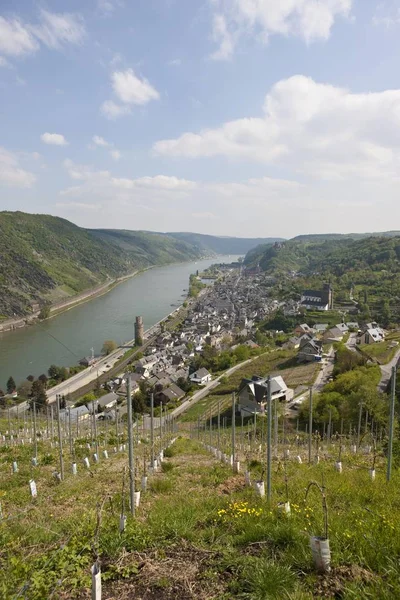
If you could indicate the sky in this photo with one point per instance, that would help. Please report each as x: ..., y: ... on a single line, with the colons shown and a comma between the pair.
x: 249, y: 118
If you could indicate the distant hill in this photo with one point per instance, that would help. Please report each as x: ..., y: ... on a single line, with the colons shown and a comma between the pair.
x: 222, y: 245
x: 303, y: 252
x: 363, y: 272
x: 146, y: 248
x: 45, y: 259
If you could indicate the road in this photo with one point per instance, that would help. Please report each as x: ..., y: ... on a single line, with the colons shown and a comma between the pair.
x: 103, y: 365
x: 87, y: 376
x: 322, y: 379
x: 208, y: 388
x: 351, y: 343
x: 386, y: 371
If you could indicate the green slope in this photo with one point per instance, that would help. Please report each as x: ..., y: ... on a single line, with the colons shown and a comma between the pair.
x: 147, y: 248
x: 221, y: 245
x: 46, y: 259
x: 365, y: 271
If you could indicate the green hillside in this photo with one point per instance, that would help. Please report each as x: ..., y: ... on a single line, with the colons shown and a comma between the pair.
x: 365, y: 270
x: 46, y: 259
x: 222, y: 245
x: 147, y: 248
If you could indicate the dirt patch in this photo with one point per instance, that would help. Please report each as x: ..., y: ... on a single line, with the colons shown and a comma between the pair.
x: 181, y: 572
x: 233, y: 484
x: 333, y: 585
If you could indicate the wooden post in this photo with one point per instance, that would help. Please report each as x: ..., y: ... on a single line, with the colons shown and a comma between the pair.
x: 60, y: 439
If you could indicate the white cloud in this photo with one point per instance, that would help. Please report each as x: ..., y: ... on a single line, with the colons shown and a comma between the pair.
x: 317, y: 129
x: 107, y: 7
x: 386, y: 16
x: 104, y: 181
x: 54, y: 139
x: 99, y: 141
x: 11, y: 173
x: 308, y: 19
x: 15, y: 38
x: 263, y: 206
x: 115, y: 154
x: 112, y: 111
x: 53, y: 30
x: 77, y: 206
x: 56, y: 29
x: 175, y: 62
x: 129, y: 89
x: 223, y: 37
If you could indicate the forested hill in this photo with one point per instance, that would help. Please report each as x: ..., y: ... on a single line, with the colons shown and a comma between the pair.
x: 331, y: 256
x: 366, y: 271
x: 222, y: 245
x: 45, y: 259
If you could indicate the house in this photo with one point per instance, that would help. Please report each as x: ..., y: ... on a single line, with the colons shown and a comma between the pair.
x: 353, y: 326
x: 320, y: 327
x: 310, y: 350
x: 333, y: 335
x: 78, y: 413
x: 371, y: 336
x: 318, y: 300
x: 252, y: 395
x: 342, y: 327
x: 201, y: 376
x: 251, y: 344
x: 87, y: 361
x: 172, y: 392
x: 107, y: 401
x: 293, y: 342
x: 304, y: 328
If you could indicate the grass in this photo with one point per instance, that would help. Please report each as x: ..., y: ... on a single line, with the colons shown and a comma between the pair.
x: 381, y: 351
x: 199, y: 532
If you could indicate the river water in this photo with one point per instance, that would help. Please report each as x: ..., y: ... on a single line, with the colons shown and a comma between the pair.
x: 65, y: 339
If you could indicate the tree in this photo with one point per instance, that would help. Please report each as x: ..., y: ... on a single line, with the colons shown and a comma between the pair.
x: 10, y: 385
x: 44, y: 312
x: 138, y: 403
x: 54, y: 372
x: 108, y: 347
x: 63, y: 373
x: 38, y: 394
x: 31, y: 378
x: 44, y: 379
x: 185, y: 384
x: 24, y: 389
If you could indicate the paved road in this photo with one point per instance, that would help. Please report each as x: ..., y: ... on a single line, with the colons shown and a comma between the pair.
x: 86, y: 376
x: 322, y: 378
x: 386, y: 371
x: 208, y: 388
x: 351, y: 343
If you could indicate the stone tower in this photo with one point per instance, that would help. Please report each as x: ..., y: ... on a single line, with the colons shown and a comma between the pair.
x: 139, y: 331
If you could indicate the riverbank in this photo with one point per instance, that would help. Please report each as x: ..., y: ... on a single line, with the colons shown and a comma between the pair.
x: 63, y: 341
x: 61, y: 307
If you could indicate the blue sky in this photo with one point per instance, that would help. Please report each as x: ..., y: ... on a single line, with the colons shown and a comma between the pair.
x: 232, y: 117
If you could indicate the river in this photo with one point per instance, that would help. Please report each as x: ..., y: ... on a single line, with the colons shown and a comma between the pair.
x: 65, y: 339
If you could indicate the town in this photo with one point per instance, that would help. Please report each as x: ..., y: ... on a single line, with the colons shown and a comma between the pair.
x: 223, y: 325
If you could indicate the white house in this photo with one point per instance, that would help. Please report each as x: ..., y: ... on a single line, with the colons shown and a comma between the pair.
x: 371, y: 336
x: 201, y: 376
x: 252, y: 397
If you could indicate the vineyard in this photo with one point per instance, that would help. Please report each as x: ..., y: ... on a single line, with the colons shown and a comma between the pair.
x: 211, y: 521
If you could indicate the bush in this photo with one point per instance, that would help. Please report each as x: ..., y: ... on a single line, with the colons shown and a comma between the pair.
x: 166, y: 467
